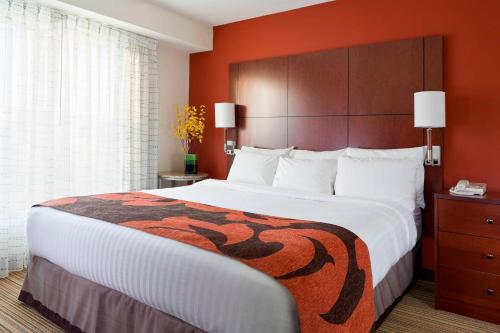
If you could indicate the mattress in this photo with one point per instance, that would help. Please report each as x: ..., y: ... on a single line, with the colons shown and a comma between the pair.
x: 209, y: 291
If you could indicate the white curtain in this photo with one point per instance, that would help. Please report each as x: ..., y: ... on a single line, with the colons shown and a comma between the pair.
x: 78, y: 114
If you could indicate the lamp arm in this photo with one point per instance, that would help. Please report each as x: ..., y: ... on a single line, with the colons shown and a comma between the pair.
x: 225, y: 140
x: 428, y: 159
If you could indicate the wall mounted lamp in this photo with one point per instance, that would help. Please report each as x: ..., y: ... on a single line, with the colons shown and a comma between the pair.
x: 429, y: 114
x: 225, y: 118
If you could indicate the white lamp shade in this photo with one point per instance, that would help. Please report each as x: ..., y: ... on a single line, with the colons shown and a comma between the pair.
x: 430, y: 109
x: 224, y: 115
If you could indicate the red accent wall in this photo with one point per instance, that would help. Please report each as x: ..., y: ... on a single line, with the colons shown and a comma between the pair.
x: 471, y: 69
x: 471, y: 74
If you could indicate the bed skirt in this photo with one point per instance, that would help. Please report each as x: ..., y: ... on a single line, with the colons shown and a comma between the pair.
x: 79, y: 305
x: 395, y: 283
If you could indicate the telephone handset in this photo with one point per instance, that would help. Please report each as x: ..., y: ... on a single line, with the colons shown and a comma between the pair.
x: 462, y: 185
x: 466, y: 188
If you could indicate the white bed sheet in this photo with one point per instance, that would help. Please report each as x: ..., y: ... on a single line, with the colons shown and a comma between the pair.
x: 209, y: 291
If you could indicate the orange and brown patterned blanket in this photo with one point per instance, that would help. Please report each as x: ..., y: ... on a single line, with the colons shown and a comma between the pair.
x: 325, y: 267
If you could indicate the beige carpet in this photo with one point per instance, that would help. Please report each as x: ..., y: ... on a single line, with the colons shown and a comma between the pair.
x: 414, y: 313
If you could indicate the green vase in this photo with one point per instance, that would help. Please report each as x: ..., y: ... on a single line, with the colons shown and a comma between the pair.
x: 190, y: 164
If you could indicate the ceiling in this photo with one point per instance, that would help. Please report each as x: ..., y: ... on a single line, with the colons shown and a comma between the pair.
x: 217, y: 12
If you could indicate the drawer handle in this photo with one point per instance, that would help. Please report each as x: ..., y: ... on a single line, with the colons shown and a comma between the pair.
x: 489, y: 221
x: 490, y: 256
x: 490, y: 292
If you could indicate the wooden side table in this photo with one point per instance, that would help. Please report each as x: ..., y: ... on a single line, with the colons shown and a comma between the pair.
x: 179, y: 176
x: 467, y: 234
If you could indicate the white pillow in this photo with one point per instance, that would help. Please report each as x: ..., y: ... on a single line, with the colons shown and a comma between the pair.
x: 379, y: 178
x: 417, y: 154
x: 253, y: 168
x: 317, y: 155
x: 277, y: 152
x: 316, y: 176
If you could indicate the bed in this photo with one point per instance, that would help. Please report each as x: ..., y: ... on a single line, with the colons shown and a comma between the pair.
x: 204, y: 290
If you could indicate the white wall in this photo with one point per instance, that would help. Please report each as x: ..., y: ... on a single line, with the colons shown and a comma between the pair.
x: 173, y: 67
x: 146, y: 18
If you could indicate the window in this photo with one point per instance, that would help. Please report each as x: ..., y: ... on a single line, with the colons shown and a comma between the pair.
x: 78, y: 113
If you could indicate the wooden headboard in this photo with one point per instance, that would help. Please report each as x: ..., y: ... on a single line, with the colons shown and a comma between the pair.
x: 359, y: 96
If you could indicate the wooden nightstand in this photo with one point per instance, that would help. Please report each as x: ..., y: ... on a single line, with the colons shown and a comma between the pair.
x: 467, y: 235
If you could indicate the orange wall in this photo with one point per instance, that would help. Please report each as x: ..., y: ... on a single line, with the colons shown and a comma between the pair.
x: 471, y: 75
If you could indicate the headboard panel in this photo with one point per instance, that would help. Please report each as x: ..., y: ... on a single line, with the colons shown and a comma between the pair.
x: 318, y: 84
x: 359, y: 97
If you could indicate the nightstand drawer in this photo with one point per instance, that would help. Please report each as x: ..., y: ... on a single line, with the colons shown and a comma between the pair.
x: 476, y: 288
x: 469, y: 252
x: 468, y: 217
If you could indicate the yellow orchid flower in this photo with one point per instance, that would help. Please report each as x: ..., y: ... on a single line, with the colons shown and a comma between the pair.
x: 190, y: 124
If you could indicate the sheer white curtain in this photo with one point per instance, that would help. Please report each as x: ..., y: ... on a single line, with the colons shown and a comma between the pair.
x: 78, y: 114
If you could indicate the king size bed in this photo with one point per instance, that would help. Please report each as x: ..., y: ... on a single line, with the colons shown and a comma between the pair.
x: 200, y: 288
x: 257, y: 255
